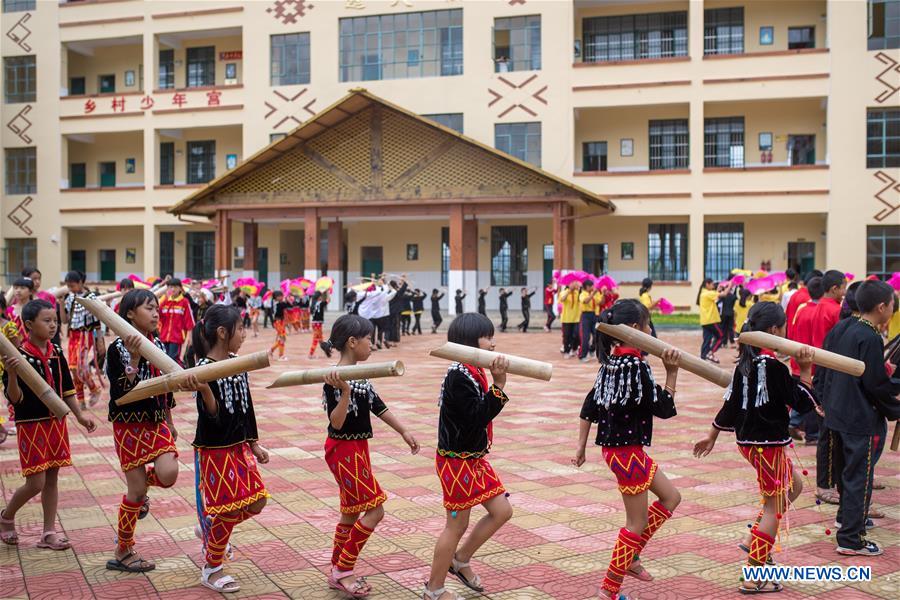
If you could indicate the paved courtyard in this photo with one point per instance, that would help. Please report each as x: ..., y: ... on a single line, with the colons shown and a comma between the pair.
x: 556, y: 546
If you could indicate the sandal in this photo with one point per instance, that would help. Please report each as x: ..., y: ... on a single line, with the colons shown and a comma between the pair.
x: 877, y: 484
x: 642, y: 575
x: 229, y: 551
x: 474, y: 584
x: 61, y: 542
x: 138, y: 565
x: 225, y: 584
x: 875, y: 514
x: 10, y: 538
x: 145, y: 508
x: 436, y: 594
x: 829, y: 497
x: 769, y: 559
x: 358, y: 589
x: 760, y: 588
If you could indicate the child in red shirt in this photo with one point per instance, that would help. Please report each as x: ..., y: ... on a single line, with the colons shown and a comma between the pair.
x: 175, y: 318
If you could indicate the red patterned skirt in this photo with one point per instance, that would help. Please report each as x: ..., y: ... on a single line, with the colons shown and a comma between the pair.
x: 140, y: 443
x: 81, y: 341
x: 352, y: 469
x: 774, y: 470
x: 43, y: 445
x: 467, y: 482
x: 633, y: 468
x: 229, y: 478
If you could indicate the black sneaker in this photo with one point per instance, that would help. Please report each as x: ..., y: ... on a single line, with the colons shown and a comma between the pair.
x: 869, y: 549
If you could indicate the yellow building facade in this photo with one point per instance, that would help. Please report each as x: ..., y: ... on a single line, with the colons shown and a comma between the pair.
x: 721, y: 134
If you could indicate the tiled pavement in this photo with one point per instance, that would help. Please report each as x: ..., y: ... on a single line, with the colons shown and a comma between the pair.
x: 556, y: 546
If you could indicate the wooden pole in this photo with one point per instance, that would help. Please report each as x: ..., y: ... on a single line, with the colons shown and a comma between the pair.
x: 33, y: 380
x: 346, y: 373
x: 823, y: 358
x: 123, y: 329
x: 656, y: 347
x: 895, y: 441
x: 172, y: 382
x: 109, y: 296
x: 518, y: 365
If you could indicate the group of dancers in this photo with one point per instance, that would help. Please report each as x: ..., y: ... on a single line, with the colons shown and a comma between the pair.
x: 623, y: 403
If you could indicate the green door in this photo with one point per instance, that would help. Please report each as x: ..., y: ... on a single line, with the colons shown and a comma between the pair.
x: 548, y: 264
x: 372, y: 261
x: 262, y: 264
x: 78, y: 260
x: 107, y: 84
x: 107, y: 265
x: 77, y: 175
x: 107, y: 174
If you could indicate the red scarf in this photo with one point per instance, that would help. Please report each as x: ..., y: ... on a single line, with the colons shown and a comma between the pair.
x: 480, y: 376
x: 627, y: 351
x: 44, y: 358
x: 767, y: 352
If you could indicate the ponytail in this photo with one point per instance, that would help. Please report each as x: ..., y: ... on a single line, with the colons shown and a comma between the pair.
x: 646, y: 284
x: 346, y: 327
x: 762, y: 317
x: 623, y: 312
x: 702, y: 287
x: 206, y: 332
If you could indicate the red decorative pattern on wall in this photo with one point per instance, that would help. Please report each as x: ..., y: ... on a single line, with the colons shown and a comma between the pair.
x: 20, y: 124
x: 20, y: 215
x: 891, y: 185
x: 18, y: 33
x: 893, y: 67
x: 518, y: 97
x: 288, y: 11
x: 285, y: 108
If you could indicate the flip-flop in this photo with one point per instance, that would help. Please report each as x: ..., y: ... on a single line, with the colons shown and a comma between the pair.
x: 61, y: 543
x: 761, y: 588
x: 136, y: 566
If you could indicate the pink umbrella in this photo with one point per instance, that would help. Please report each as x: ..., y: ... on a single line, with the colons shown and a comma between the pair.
x: 894, y: 281
x: 665, y: 307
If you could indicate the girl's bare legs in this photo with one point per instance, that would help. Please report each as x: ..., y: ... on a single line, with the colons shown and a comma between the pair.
x: 499, y: 511
x: 445, y: 548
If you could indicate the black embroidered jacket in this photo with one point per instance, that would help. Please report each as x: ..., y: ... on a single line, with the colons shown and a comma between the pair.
x: 364, y: 402
x: 235, y: 421
x: 466, y: 414
x: 148, y: 410
x: 757, y: 407
x: 30, y: 408
x: 623, y: 402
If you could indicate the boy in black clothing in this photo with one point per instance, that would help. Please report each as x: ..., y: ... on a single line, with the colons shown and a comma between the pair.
x: 504, y: 308
x: 526, y: 310
x: 855, y: 411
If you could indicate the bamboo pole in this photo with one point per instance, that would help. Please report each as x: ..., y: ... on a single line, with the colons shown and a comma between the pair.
x: 123, y: 329
x: 518, y: 365
x: 172, y: 382
x: 823, y: 358
x: 346, y: 373
x: 656, y: 347
x: 109, y: 296
x: 895, y: 441
x: 34, y: 381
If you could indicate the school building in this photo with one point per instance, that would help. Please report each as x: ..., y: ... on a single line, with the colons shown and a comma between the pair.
x: 466, y: 143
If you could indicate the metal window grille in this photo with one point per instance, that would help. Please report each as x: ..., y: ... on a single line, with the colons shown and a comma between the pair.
x: 509, y: 255
x: 401, y: 46
x: 19, y: 79
x: 883, y: 138
x: 884, y: 24
x: 723, y: 30
x: 723, y: 249
x: 167, y: 253
x: 723, y: 142
x: 452, y: 120
x: 669, y: 144
x: 201, y: 161
x: 445, y: 256
x: 522, y: 140
x: 201, y: 254
x: 635, y: 37
x: 166, y: 69
x: 17, y: 5
x: 801, y: 37
x: 593, y: 156
x: 166, y: 163
x: 667, y: 248
x: 517, y: 43
x: 594, y: 258
x: 290, y: 59
x: 883, y: 250
x: 201, y: 66
x: 21, y: 170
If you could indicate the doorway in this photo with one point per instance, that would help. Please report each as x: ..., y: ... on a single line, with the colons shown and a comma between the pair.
x: 372, y: 259
x: 107, y: 174
x: 548, y: 264
x: 802, y: 257
x: 107, y: 265
x: 262, y: 265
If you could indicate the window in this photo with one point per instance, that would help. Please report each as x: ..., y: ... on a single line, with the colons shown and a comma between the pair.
x: 522, y: 140
x: 723, y: 142
x: 289, y: 59
x: 21, y: 170
x: 802, y: 149
x: 201, y: 66
x: 667, y: 248
x: 509, y: 255
x: 19, y: 253
x: 593, y: 156
x: 201, y: 254
x: 884, y: 24
x: 801, y: 37
x: 452, y: 120
x: 77, y: 175
x: 883, y: 250
x: 201, y: 161
x: 723, y: 30
x: 167, y: 253
x: 883, y: 138
x: 517, y: 44
x: 76, y: 86
x: 635, y: 37
x: 723, y: 249
x: 594, y: 258
x: 274, y: 137
x: 19, y: 79
x: 669, y: 144
x: 401, y: 46
x: 166, y: 163
x: 445, y: 256
x: 17, y: 5
x: 166, y: 69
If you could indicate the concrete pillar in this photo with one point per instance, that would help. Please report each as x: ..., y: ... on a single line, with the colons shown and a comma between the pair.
x: 563, y: 237
x: 251, y: 243
x: 311, y: 244
x: 455, y: 276
x: 335, y: 268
